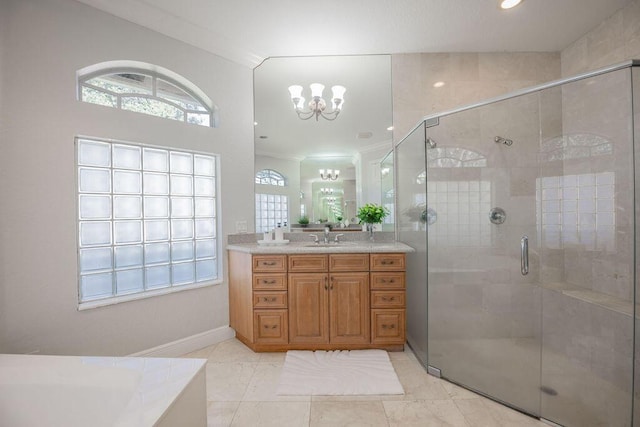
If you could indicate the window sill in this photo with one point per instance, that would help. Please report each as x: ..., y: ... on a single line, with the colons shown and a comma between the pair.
x: 88, y: 305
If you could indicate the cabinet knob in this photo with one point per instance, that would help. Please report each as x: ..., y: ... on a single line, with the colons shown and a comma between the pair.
x: 270, y: 326
x: 269, y: 282
x: 388, y: 299
x: 268, y: 263
x: 272, y: 299
x: 392, y: 326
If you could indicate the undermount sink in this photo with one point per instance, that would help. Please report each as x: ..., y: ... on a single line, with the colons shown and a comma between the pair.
x: 331, y: 244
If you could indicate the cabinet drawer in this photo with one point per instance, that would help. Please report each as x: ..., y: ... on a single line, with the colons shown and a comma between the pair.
x: 387, y: 326
x: 349, y: 262
x: 271, y: 326
x: 387, y: 299
x: 270, y: 263
x: 387, y: 280
x: 268, y: 282
x: 388, y: 262
x: 307, y: 263
x: 270, y: 299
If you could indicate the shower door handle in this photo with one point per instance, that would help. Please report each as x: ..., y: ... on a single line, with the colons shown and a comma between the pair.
x: 524, y: 255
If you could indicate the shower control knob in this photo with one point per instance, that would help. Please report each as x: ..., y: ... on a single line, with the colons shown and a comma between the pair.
x: 497, y: 216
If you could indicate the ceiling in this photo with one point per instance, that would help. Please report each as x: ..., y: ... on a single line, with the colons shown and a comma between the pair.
x: 248, y: 31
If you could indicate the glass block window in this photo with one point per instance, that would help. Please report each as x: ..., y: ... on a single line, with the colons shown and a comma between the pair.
x: 147, y: 92
x: 271, y: 210
x: 271, y: 177
x: 577, y: 211
x: 459, y: 209
x: 146, y: 218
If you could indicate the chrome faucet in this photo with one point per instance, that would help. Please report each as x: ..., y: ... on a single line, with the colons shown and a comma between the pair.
x: 336, y: 238
x: 315, y: 238
x: 327, y: 229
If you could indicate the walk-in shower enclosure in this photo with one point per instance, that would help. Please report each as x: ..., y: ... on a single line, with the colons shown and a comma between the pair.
x: 522, y: 210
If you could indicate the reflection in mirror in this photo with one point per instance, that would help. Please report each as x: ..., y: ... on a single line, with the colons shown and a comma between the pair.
x: 324, y: 199
x: 354, y: 142
x: 386, y: 190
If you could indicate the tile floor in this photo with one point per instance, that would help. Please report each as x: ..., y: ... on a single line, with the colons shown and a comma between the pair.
x: 241, y: 391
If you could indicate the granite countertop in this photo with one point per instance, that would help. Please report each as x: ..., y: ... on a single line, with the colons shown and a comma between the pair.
x: 312, y: 248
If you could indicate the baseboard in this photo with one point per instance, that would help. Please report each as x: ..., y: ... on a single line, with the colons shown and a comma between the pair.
x: 187, y: 345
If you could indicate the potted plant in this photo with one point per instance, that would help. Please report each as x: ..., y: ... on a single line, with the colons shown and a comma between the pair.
x: 370, y: 214
x: 303, y: 221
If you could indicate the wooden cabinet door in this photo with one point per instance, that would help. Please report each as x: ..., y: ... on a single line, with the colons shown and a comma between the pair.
x: 308, y: 308
x: 270, y: 326
x: 349, y: 308
x: 388, y: 326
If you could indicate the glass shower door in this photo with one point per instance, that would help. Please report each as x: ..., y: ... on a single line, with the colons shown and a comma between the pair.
x: 483, y: 294
x: 411, y: 202
x: 587, y: 251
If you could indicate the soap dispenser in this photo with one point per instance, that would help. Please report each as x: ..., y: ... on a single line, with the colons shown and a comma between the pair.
x: 279, y: 233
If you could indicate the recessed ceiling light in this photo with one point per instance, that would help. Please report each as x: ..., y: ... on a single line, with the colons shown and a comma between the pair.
x: 364, y: 135
x: 390, y: 128
x: 508, y: 4
x: 438, y: 84
x: 263, y: 137
x: 255, y: 123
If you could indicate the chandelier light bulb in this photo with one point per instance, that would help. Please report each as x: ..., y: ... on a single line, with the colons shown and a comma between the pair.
x: 316, y: 90
x: 295, y: 91
x: 338, y: 96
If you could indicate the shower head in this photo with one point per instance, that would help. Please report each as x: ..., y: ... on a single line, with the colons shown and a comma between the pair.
x: 431, y: 143
x: 501, y: 140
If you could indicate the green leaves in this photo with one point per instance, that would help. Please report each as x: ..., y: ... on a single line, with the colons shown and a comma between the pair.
x: 372, y: 213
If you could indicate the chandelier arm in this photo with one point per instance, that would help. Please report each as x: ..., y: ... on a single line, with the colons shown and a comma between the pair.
x: 331, y: 116
x: 305, y: 115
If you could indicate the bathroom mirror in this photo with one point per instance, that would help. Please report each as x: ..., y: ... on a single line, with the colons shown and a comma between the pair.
x: 354, y: 142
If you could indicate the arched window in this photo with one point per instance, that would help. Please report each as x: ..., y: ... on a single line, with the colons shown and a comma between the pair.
x: 455, y: 157
x: 148, y: 89
x: 574, y: 146
x: 271, y: 177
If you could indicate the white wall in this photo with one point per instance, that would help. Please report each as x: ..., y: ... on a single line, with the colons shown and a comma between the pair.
x: 45, y: 42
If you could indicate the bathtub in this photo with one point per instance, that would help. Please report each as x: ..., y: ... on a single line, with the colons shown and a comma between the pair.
x: 101, y: 391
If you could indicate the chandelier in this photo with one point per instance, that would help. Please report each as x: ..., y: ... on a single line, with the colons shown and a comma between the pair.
x: 317, y: 105
x: 329, y: 174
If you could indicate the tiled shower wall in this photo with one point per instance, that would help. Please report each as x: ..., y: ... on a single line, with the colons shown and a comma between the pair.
x: 615, y: 40
x: 467, y: 78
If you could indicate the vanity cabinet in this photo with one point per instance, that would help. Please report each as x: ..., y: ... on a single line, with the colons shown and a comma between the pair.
x: 328, y: 300
x: 319, y: 301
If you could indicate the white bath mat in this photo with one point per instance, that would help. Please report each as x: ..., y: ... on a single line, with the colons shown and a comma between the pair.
x: 339, y: 372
